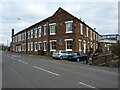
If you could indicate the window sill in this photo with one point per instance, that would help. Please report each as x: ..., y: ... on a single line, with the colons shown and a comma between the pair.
x: 53, y: 50
x: 68, y: 49
x: 69, y: 32
x: 52, y: 33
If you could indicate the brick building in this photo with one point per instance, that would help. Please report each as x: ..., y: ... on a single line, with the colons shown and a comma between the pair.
x: 61, y: 31
x: 106, y: 42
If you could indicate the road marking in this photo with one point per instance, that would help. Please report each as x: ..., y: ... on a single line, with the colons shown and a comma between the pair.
x: 19, y: 60
x: 88, y: 85
x: 12, y: 57
x: 22, y: 62
x: 46, y: 71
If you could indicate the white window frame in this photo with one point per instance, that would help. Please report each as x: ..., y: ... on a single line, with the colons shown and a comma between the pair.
x: 67, y: 22
x: 39, y: 45
x: 66, y: 44
x: 31, y: 46
x: 81, y: 28
x: 96, y: 37
x: 28, y: 46
x: 51, y: 45
x: 28, y: 34
x: 51, y: 29
x: 40, y: 31
x: 44, y: 47
x: 91, y: 34
x: 45, y: 29
x: 36, y: 48
x: 80, y: 45
x: 36, y: 32
x: 87, y: 31
x: 32, y: 33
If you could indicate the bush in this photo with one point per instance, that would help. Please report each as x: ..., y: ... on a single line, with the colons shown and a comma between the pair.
x: 41, y: 52
x: 116, y: 49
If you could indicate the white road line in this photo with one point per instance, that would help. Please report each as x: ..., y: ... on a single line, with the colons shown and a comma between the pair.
x: 12, y: 57
x: 46, y: 71
x: 88, y: 85
x: 19, y: 60
x: 22, y: 62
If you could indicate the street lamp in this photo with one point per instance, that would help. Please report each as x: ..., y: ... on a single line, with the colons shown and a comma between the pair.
x: 23, y: 20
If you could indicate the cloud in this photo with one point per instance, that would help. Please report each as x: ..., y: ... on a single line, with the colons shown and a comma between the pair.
x: 100, y: 15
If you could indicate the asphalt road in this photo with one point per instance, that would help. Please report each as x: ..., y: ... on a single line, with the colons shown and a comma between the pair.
x: 33, y: 71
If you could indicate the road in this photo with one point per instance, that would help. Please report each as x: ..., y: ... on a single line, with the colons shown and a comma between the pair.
x: 33, y: 71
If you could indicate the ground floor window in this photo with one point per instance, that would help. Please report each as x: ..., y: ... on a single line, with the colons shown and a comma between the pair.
x: 52, y: 45
x: 36, y: 46
x: 69, y: 44
x: 40, y: 46
x: 44, y: 45
x: 31, y: 46
x: 80, y: 44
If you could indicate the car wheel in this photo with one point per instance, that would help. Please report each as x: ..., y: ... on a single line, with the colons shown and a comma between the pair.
x: 61, y: 58
x: 78, y: 59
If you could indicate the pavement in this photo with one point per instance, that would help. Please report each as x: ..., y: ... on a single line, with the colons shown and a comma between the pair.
x: 33, y: 71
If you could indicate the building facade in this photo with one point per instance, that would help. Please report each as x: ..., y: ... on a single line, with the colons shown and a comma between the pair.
x: 61, y: 31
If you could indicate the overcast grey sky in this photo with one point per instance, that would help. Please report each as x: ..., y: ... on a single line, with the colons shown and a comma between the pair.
x: 100, y: 15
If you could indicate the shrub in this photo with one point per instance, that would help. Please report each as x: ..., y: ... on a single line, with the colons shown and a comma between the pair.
x: 116, y: 49
x: 41, y: 52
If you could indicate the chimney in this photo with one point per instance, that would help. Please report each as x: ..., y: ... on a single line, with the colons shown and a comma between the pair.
x: 12, y: 32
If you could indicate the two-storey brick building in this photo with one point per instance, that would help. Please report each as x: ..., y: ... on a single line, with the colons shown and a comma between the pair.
x: 61, y: 31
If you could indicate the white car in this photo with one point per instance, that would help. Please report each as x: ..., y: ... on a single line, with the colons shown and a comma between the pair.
x: 60, y: 54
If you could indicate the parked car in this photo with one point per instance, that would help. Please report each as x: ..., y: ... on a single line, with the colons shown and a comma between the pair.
x: 77, y: 56
x: 60, y: 54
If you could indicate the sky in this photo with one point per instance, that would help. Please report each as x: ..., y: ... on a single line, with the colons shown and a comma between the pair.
x: 100, y: 15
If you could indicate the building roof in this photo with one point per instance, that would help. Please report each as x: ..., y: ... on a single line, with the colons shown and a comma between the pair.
x: 47, y: 19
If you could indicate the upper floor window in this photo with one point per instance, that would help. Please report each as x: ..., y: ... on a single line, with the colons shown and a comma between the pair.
x: 32, y: 33
x: 81, y: 28
x: 45, y: 29
x: 91, y: 34
x: 40, y: 30
x: 36, y: 33
x: 52, y: 28
x: 69, y: 26
x: 87, y: 31
x: 29, y: 35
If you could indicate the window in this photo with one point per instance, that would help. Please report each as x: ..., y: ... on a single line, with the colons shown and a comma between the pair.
x: 80, y: 44
x: 36, y: 33
x: 44, y: 45
x: 36, y: 46
x: 31, y: 33
x: 87, y: 31
x: 69, y: 44
x: 28, y: 34
x: 40, y: 29
x: 28, y: 46
x: 45, y: 29
x: 19, y: 48
x: 31, y: 46
x: 91, y: 34
x: 81, y: 28
x: 91, y: 45
x: 96, y: 37
x: 52, y: 28
x: 40, y: 45
x: 52, y: 45
x: 69, y: 26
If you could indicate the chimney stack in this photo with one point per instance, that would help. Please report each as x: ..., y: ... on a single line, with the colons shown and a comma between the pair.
x: 12, y: 32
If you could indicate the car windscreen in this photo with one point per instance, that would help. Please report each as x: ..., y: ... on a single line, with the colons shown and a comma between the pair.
x: 74, y: 54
